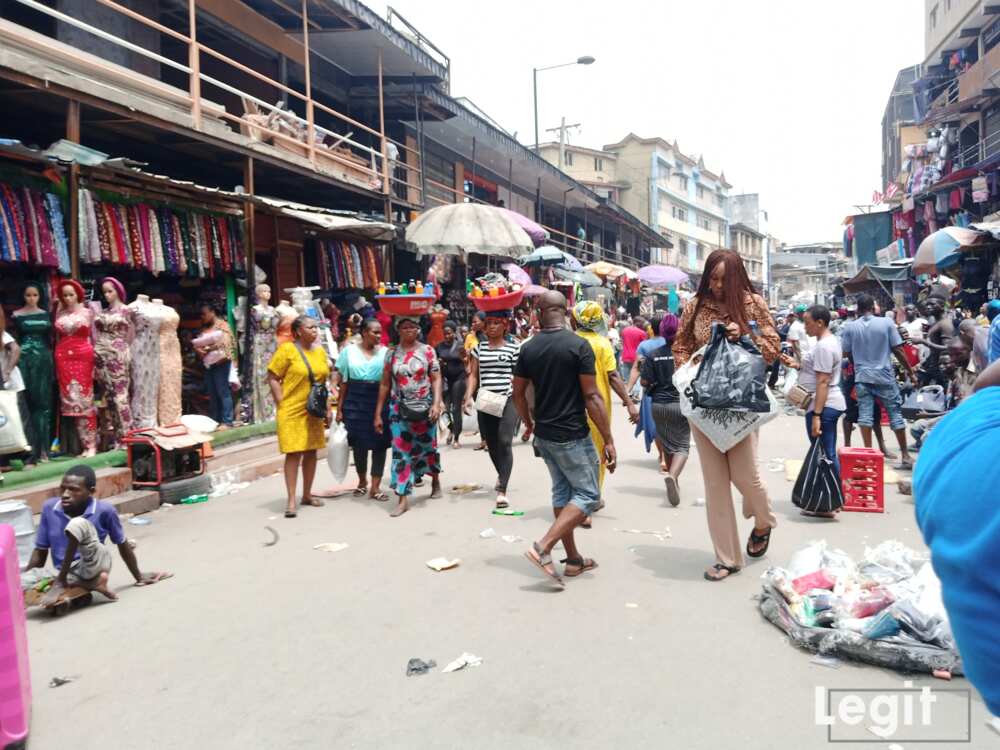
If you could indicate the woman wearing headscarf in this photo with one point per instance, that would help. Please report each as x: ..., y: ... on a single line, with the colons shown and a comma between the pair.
x: 592, y: 327
x: 673, y: 432
x: 725, y: 295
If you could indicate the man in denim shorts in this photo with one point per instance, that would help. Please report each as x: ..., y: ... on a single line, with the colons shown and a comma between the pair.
x: 560, y: 366
x: 871, y: 341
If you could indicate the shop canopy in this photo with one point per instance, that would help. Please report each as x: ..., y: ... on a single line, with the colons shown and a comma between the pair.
x: 330, y: 221
x: 877, y: 275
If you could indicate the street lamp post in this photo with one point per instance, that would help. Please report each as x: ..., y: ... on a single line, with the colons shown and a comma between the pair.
x: 585, y: 60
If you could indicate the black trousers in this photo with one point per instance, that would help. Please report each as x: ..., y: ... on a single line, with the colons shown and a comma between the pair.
x: 775, y: 371
x: 498, y: 432
x: 454, y: 396
x: 361, y: 460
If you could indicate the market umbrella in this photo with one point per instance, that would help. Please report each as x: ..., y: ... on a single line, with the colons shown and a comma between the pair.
x: 539, y: 235
x: 467, y: 228
x: 516, y: 274
x: 662, y: 275
x: 607, y: 270
x: 546, y: 255
x: 943, y: 248
x: 583, y: 278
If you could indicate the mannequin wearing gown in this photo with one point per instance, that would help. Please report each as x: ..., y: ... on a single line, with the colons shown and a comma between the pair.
x: 265, y: 343
x: 436, y: 334
x: 74, y: 357
x: 113, y: 334
x: 34, y: 333
x: 286, y: 314
x: 145, y: 363
x: 169, y: 403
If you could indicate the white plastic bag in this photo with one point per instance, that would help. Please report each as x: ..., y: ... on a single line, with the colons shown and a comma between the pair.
x: 12, y: 438
x: 338, y: 452
x: 791, y: 380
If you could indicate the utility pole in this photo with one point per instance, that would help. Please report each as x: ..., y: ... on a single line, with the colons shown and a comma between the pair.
x: 562, y: 130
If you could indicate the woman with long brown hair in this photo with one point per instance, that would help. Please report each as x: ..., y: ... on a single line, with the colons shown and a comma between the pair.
x: 726, y: 295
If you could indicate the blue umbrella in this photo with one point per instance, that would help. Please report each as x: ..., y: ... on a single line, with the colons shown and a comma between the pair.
x: 546, y: 255
x: 943, y: 248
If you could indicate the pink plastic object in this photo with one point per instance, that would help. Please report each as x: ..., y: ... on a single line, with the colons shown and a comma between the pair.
x: 874, y: 602
x: 820, y: 579
x: 15, y: 683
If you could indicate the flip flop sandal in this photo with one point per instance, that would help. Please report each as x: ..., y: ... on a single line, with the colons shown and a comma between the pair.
x: 314, y: 502
x: 359, y: 491
x: 718, y: 568
x: 673, y: 492
x: 380, y: 497
x: 543, y: 561
x: 290, y: 514
x: 502, y: 503
x: 756, y: 538
x: 581, y: 564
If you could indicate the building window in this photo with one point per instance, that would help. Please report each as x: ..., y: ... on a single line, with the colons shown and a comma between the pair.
x: 701, y: 252
x: 598, y: 164
x: 679, y: 213
x: 682, y: 182
x: 705, y: 223
x: 933, y: 18
x: 568, y: 159
x: 701, y: 192
x: 718, y: 199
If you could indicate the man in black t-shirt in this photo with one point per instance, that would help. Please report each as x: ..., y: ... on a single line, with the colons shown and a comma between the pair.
x: 560, y: 366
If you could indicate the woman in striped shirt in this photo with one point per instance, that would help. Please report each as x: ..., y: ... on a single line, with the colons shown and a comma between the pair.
x: 491, y: 366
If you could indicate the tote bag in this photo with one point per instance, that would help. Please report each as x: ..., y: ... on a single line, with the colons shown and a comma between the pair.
x: 817, y: 488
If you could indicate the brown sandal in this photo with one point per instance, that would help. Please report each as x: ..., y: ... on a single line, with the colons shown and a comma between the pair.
x: 543, y: 561
x: 579, y: 564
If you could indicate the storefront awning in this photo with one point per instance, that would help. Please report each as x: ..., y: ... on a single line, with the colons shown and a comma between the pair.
x: 869, y: 275
x: 331, y: 221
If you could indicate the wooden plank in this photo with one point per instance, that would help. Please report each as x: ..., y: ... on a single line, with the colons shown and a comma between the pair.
x: 255, y: 26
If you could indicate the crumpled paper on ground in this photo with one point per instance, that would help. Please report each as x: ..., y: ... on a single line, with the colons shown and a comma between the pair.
x: 332, y: 546
x: 442, y: 563
x: 661, y: 535
x: 465, y: 660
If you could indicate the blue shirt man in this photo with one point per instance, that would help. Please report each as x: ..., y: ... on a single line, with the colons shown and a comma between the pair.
x: 51, y: 534
x: 993, y: 313
x: 870, y: 340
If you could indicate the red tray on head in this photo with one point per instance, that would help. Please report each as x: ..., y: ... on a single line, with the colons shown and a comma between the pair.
x: 405, y: 304
x: 504, y: 302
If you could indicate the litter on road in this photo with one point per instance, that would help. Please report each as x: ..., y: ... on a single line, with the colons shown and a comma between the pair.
x: 332, y: 546
x: 442, y: 563
x: 465, y: 660
x: 512, y: 538
x: 274, y: 537
x: 464, y: 489
x: 661, y: 535
x: 487, y: 534
x: 507, y: 512
x: 60, y: 681
x: 631, y: 605
x: 139, y: 521
x: 419, y: 666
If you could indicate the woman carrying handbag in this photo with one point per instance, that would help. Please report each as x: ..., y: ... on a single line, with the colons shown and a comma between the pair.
x: 491, y: 367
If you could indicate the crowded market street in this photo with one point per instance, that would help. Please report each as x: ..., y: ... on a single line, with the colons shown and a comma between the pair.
x: 288, y: 646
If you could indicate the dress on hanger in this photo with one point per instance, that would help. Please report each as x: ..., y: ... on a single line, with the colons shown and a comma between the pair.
x: 34, y: 331
x: 74, y: 356
x: 113, y: 369
x: 169, y: 411
x: 265, y: 343
x: 145, y: 366
x: 436, y: 335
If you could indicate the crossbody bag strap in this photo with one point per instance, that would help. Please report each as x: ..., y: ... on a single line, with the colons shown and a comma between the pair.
x: 309, y: 369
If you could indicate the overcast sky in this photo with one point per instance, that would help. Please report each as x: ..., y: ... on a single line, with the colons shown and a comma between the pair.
x: 786, y: 96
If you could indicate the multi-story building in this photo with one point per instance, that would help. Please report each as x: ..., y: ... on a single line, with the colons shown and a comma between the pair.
x: 900, y: 124
x: 675, y: 194
x: 749, y: 243
x: 807, y: 273
x: 749, y: 236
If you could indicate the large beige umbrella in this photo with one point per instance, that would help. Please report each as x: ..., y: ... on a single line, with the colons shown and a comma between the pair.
x: 607, y: 270
x: 461, y: 228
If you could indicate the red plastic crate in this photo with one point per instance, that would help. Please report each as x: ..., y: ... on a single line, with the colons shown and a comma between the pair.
x: 862, y: 476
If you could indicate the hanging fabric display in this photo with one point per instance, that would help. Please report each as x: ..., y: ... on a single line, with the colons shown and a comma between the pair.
x: 32, y: 228
x: 160, y: 238
x: 345, y: 265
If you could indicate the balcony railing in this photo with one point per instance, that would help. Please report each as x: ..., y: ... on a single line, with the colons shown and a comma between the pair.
x: 327, y: 138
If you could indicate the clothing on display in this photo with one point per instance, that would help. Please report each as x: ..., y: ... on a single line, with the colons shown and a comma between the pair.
x: 346, y: 265
x: 74, y: 357
x: 145, y: 363
x: 169, y: 398
x: 265, y: 342
x: 158, y: 238
x: 113, y: 330
x: 34, y: 331
x: 286, y: 316
x: 32, y: 228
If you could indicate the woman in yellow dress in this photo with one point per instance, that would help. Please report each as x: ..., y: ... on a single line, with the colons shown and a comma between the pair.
x: 300, y: 434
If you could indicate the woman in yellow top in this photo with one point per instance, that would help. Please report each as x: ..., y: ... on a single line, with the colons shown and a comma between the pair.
x: 300, y: 434
x: 590, y: 324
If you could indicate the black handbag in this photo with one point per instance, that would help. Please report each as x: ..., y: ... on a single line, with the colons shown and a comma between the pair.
x: 817, y: 488
x: 319, y: 396
x: 931, y: 399
x: 732, y: 375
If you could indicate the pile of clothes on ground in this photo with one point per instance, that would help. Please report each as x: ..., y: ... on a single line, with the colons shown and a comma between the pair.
x: 884, y: 610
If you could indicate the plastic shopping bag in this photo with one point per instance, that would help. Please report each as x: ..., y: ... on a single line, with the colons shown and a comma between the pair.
x: 12, y: 438
x: 732, y: 375
x: 338, y: 452
x: 817, y: 489
x: 724, y: 427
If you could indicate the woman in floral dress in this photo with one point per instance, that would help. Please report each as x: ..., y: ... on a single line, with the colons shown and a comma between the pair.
x: 413, y: 376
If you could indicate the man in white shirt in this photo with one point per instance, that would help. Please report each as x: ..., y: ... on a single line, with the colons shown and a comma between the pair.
x: 801, y: 342
x: 914, y: 326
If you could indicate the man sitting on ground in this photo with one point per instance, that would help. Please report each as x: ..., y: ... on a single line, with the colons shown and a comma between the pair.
x: 74, y: 527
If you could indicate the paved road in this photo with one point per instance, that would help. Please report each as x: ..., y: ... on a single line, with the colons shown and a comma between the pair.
x: 284, y: 646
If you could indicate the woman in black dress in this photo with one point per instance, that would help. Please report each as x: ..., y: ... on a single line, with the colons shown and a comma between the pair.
x: 453, y: 357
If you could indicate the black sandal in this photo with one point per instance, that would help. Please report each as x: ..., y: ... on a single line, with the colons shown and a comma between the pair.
x: 718, y: 568
x: 756, y: 538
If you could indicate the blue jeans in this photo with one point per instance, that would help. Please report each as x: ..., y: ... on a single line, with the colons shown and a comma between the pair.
x: 220, y: 397
x: 828, y: 432
x: 573, y: 467
x: 889, y: 396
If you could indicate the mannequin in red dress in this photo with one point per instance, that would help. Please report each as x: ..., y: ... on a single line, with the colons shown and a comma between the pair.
x: 74, y: 356
x: 438, y: 316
